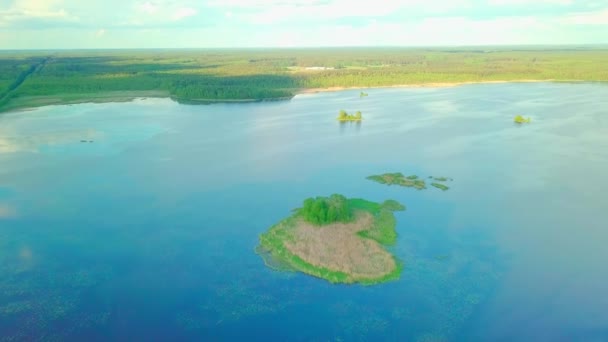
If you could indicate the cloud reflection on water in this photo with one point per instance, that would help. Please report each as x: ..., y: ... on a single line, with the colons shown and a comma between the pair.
x: 20, y: 142
x: 7, y: 211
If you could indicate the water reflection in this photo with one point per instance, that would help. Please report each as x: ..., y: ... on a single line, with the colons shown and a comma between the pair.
x: 7, y: 211
x: 347, y: 126
x: 15, y: 141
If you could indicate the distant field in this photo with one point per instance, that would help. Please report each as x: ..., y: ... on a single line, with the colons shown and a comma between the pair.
x: 30, y: 79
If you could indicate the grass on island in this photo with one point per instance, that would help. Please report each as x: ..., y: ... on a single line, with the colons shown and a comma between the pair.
x: 33, y: 78
x: 344, y: 116
x: 441, y: 179
x: 398, y: 178
x: 363, y: 94
x: 337, y: 239
x: 412, y: 181
x: 440, y: 186
x: 520, y: 119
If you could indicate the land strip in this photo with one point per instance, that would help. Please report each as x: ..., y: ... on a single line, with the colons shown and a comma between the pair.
x: 31, y: 79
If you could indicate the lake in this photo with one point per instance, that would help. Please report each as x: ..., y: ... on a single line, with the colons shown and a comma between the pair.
x: 138, y: 221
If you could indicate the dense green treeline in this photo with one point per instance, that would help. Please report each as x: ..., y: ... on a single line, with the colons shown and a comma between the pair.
x: 255, y: 87
x: 326, y: 210
x: 258, y: 74
x: 20, y: 73
x: 11, y: 68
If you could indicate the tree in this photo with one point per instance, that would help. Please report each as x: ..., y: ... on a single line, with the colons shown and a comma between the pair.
x: 332, y: 216
x: 319, y: 209
x: 307, y: 208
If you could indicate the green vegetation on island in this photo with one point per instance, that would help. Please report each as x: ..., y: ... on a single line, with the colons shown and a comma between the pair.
x: 440, y: 186
x: 337, y: 239
x: 363, y: 94
x: 326, y: 210
x: 344, y: 116
x: 413, y: 181
x: 441, y: 179
x: 520, y: 119
x: 397, y: 178
x: 39, y: 78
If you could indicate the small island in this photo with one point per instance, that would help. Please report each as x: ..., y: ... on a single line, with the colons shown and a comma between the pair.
x: 520, y: 119
x: 363, y: 94
x: 344, y: 116
x: 441, y: 179
x: 412, y: 181
x: 337, y: 239
x: 398, y: 178
x: 441, y: 186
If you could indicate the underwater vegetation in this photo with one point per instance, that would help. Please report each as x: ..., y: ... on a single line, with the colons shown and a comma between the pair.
x: 33, y: 300
x: 436, y: 301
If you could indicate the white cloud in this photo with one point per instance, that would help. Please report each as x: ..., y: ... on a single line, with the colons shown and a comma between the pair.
x: 447, y: 31
x: 529, y: 2
x: 41, y: 10
x: 587, y: 18
x: 224, y: 23
x: 39, y: 6
x: 248, y: 4
x: 279, y: 11
x: 158, y: 13
x: 184, y: 12
x: 148, y: 7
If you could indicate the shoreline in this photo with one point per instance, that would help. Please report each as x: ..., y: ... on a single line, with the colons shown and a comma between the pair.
x: 348, y: 251
x: 426, y: 85
x: 28, y: 103
x: 128, y: 96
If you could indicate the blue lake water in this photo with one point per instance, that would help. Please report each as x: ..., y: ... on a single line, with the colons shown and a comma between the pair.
x: 148, y: 231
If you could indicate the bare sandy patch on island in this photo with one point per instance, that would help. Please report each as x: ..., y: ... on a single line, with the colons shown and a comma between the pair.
x: 337, y: 247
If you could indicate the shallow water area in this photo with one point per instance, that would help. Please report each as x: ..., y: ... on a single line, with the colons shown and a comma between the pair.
x: 140, y: 220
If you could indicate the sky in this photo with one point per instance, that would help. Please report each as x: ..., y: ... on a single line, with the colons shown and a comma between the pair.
x: 85, y: 24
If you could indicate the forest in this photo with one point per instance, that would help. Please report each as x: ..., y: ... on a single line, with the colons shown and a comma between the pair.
x: 36, y: 78
x: 326, y: 210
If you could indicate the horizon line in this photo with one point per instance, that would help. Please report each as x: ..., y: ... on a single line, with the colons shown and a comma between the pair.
x: 571, y: 45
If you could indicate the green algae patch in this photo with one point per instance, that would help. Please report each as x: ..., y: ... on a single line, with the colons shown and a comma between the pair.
x: 441, y: 186
x: 413, y: 181
x: 348, y: 247
x: 397, y: 178
x: 441, y: 179
x: 518, y: 119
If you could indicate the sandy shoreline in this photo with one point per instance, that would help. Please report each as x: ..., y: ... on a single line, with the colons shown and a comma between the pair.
x: 417, y: 85
x: 32, y: 102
